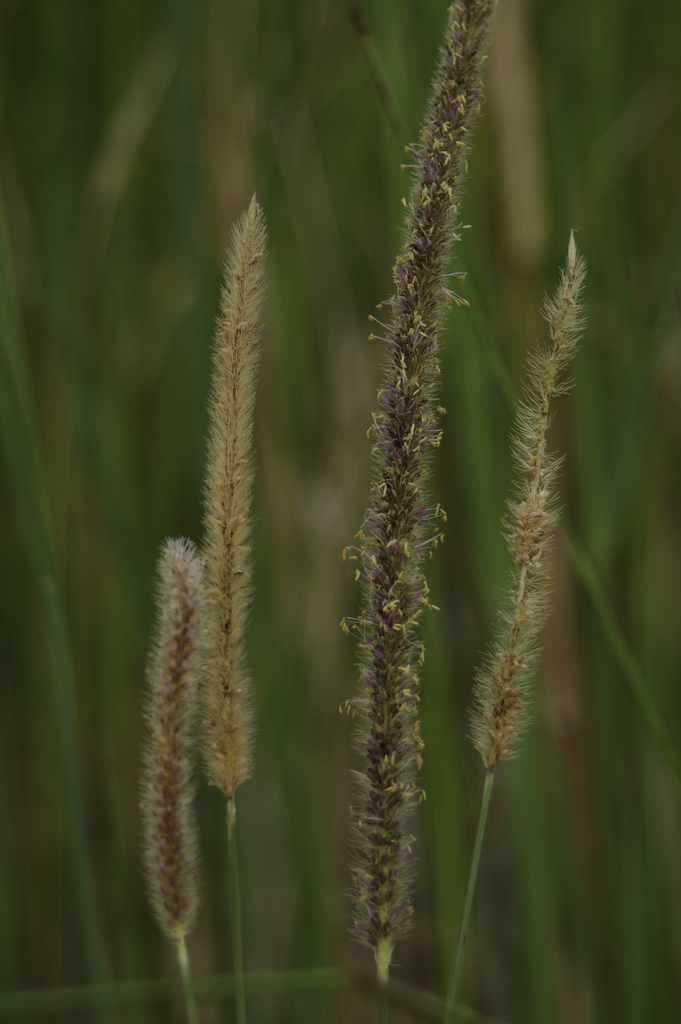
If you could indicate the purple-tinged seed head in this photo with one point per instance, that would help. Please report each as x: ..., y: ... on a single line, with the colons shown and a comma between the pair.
x: 169, y: 834
x: 395, y: 526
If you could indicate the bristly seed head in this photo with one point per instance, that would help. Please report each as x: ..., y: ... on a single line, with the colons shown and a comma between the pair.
x: 228, y: 725
x: 169, y: 838
x: 392, y: 538
x: 502, y: 701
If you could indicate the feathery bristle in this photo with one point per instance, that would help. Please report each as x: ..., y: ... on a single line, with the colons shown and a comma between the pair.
x: 393, y: 538
x: 170, y: 847
x: 502, y: 700
x: 228, y: 714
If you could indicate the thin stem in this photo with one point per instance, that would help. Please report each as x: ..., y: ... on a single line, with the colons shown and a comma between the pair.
x: 235, y: 903
x: 187, y: 979
x: 379, y: 75
x: 383, y: 953
x: 463, y: 932
x: 382, y: 1005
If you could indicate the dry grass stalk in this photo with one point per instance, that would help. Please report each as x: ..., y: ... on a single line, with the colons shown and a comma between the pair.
x: 501, y: 695
x: 228, y: 713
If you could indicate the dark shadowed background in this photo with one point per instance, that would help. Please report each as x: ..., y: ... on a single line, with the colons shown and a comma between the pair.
x: 132, y: 134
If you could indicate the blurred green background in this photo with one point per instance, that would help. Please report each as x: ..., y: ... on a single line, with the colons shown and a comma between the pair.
x: 132, y: 134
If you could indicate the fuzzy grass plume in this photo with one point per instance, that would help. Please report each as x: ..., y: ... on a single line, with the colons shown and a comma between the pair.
x: 170, y: 849
x: 502, y: 701
x: 228, y: 714
x: 501, y: 697
x: 394, y: 536
x: 228, y: 736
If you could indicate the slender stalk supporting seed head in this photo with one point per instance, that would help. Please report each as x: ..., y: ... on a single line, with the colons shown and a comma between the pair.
x: 228, y: 714
x: 170, y: 846
x: 501, y: 691
x: 393, y: 540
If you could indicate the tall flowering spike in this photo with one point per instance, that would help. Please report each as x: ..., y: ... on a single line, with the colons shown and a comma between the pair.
x: 228, y: 725
x: 501, y: 690
x: 170, y: 847
x: 393, y: 538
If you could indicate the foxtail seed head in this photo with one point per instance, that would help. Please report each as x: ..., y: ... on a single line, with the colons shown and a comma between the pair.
x: 393, y: 540
x: 227, y: 709
x: 169, y: 837
x: 502, y: 700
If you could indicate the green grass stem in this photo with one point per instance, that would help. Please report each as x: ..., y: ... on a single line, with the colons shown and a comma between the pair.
x: 379, y: 75
x: 185, y: 970
x: 235, y: 906
x: 470, y: 890
x: 382, y: 1004
x: 383, y: 956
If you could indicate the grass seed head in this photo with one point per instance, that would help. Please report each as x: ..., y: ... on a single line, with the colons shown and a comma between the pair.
x: 393, y: 538
x: 228, y: 717
x: 169, y: 835
x: 502, y: 697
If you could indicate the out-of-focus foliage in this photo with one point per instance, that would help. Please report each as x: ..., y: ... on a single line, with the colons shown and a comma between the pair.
x: 131, y: 137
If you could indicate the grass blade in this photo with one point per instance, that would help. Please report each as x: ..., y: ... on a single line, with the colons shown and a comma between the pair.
x: 18, y: 426
x: 638, y: 685
x: 420, y: 1003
